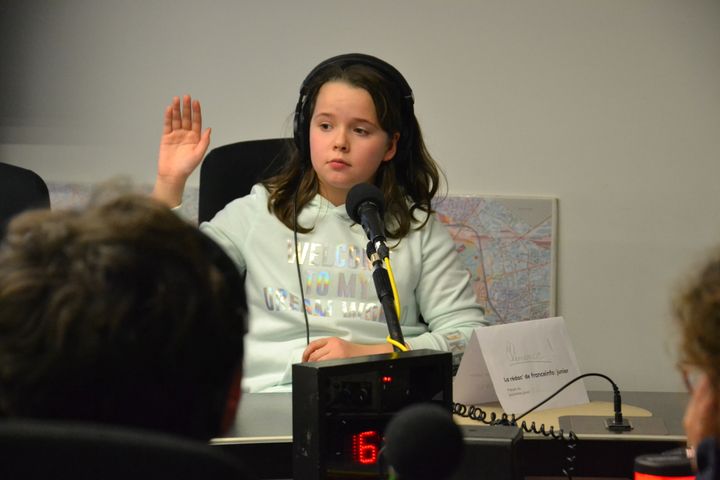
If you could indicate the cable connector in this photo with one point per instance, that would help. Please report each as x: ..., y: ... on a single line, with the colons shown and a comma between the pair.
x: 618, y: 424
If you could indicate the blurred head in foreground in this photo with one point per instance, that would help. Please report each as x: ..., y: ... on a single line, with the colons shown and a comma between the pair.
x: 697, y: 312
x: 120, y: 313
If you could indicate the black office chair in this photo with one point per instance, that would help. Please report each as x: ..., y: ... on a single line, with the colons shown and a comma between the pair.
x: 230, y: 171
x: 40, y: 450
x: 20, y: 189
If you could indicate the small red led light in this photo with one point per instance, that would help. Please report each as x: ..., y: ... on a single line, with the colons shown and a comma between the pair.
x: 386, y: 379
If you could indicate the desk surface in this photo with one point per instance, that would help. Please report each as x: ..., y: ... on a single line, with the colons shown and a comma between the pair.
x: 267, y: 417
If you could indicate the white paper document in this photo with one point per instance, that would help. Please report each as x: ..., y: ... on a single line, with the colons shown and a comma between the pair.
x: 519, y: 364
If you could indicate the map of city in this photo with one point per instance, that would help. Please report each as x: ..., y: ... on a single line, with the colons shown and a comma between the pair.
x: 506, y: 243
x: 508, y: 246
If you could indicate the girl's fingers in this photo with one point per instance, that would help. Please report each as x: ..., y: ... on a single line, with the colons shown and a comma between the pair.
x: 186, y: 113
x: 167, y: 120
x: 196, y: 117
x: 203, y: 144
x: 176, y: 121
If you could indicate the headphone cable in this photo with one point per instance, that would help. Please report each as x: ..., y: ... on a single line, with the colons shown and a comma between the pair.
x: 297, y: 264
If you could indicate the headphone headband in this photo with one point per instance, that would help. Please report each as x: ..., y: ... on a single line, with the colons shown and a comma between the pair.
x: 301, y: 117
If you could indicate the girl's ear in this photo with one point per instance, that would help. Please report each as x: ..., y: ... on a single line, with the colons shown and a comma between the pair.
x: 392, y: 147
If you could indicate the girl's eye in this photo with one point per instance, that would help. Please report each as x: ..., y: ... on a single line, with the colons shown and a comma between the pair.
x: 361, y: 131
x: 324, y: 126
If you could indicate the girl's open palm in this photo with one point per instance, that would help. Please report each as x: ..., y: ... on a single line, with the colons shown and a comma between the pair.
x: 182, y: 147
x: 183, y: 143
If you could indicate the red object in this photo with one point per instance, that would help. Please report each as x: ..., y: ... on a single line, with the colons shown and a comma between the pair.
x: 671, y: 465
x: 647, y: 476
x: 365, y: 447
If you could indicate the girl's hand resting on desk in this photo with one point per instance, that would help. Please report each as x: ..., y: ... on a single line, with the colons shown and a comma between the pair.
x: 182, y: 147
x: 332, y: 348
x: 701, y: 416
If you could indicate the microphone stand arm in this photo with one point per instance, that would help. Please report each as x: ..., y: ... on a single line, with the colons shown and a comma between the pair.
x: 385, y: 295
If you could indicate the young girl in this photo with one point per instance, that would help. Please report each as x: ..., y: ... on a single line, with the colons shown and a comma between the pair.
x: 309, y: 284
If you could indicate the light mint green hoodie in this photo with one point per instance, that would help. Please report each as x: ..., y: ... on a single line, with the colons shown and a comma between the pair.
x: 340, y: 296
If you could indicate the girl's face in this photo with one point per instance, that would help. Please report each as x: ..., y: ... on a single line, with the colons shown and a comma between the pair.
x: 347, y: 143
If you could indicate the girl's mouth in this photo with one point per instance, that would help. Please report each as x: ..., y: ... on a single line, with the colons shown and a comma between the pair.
x: 338, y: 164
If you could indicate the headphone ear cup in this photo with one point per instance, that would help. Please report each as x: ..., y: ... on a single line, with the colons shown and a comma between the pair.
x: 297, y: 124
x: 301, y: 128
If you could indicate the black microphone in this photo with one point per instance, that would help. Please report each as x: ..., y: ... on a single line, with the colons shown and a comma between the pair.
x: 365, y: 205
x: 423, y: 442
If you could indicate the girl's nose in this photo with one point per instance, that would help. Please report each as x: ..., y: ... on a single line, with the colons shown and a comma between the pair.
x: 341, y: 143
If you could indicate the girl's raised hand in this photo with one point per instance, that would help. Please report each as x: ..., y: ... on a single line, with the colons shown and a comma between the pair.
x: 182, y: 147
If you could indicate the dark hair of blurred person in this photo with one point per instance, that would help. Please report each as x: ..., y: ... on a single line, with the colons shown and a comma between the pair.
x: 119, y: 313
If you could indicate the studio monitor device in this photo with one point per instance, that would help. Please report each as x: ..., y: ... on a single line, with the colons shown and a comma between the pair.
x: 341, y: 408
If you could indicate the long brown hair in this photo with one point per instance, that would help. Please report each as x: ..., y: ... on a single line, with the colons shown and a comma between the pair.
x: 697, y: 313
x: 409, y: 181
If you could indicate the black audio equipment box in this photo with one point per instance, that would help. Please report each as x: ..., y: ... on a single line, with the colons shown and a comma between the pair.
x: 341, y: 407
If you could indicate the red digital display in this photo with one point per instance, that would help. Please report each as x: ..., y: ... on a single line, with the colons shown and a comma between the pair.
x: 354, y: 445
x: 365, y: 447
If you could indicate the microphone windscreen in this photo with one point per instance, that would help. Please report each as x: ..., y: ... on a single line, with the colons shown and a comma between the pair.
x: 361, y: 193
x: 423, y: 442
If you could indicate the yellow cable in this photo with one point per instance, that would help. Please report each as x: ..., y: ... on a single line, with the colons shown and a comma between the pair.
x: 397, y: 344
x: 393, y: 286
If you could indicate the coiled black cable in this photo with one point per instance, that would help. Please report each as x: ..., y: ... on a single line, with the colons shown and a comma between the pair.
x: 478, y: 414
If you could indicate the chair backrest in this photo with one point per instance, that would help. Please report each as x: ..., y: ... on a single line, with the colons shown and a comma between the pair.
x: 32, y: 449
x: 229, y: 172
x: 20, y: 189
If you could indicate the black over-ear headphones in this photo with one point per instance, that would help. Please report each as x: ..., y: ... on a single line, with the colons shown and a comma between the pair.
x: 301, y: 122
